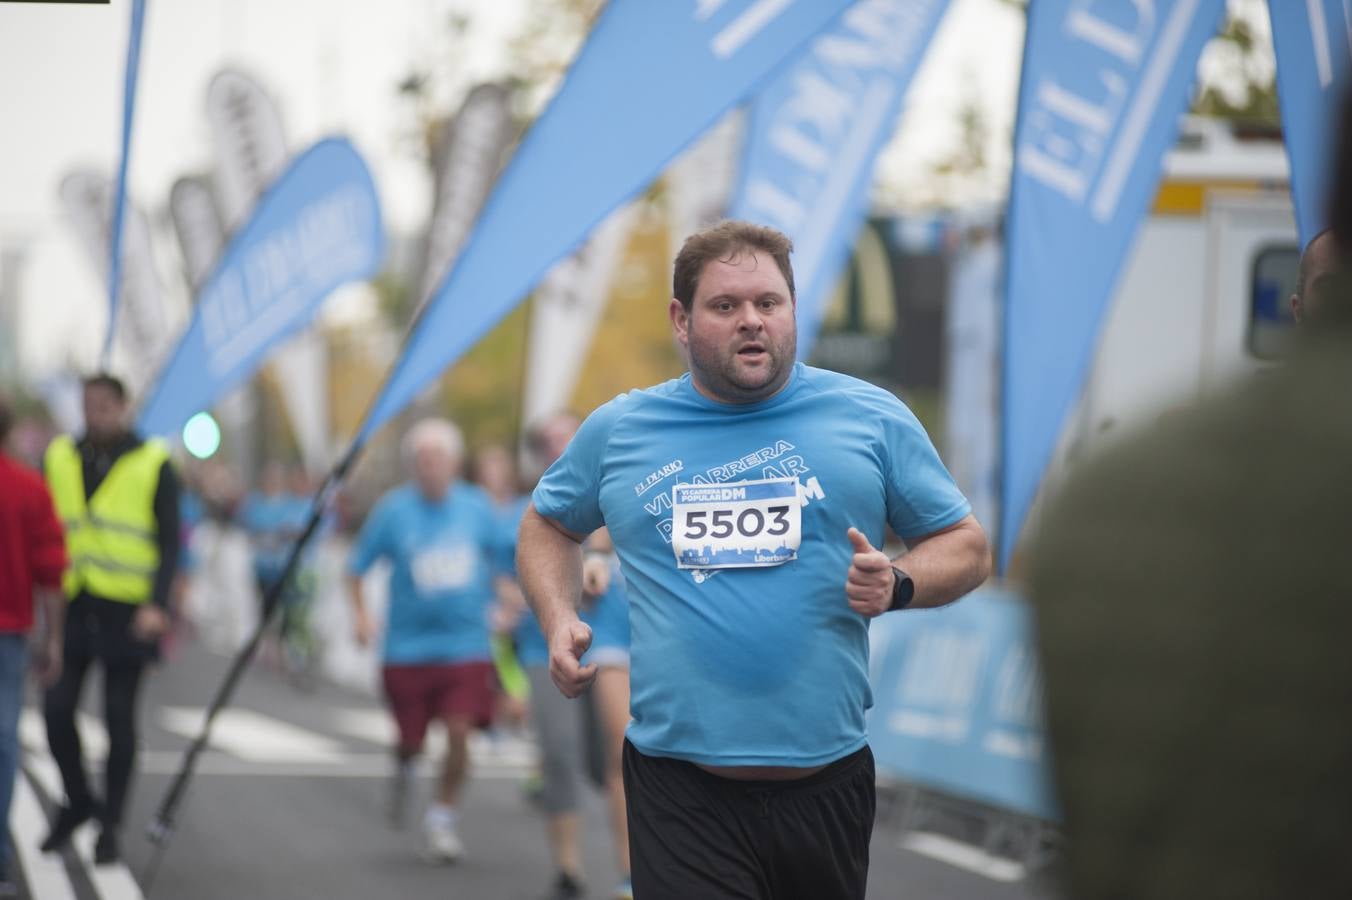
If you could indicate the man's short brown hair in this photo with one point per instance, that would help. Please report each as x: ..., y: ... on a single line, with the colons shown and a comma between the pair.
x: 724, y: 242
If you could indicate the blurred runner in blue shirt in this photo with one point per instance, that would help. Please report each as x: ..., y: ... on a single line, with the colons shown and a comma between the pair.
x: 266, y: 516
x: 444, y: 547
x: 576, y: 739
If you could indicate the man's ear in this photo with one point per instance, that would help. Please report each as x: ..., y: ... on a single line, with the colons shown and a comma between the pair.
x: 1297, y: 308
x: 680, y: 321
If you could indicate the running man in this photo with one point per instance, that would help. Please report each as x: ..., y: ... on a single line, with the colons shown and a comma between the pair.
x: 578, y: 740
x: 274, y: 521
x: 441, y: 539
x: 745, y: 501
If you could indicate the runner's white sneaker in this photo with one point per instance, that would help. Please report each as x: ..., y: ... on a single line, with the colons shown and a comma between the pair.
x: 443, y: 844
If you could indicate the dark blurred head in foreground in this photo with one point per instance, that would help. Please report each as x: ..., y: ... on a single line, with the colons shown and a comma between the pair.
x: 1194, y: 606
x: 1316, y: 302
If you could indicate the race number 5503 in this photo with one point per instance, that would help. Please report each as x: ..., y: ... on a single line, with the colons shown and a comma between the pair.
x: 750, y: 522
x: 737, y: 525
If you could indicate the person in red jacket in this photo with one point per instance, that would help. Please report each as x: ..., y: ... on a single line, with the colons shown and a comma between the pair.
x: 32, y: 559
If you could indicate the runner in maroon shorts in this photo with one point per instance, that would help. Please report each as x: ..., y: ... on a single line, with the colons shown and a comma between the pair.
x: 444, y: 549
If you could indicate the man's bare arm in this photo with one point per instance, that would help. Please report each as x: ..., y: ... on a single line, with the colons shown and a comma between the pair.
x: 549, y: 563
x: 946, y: 564
x: 362, y: 627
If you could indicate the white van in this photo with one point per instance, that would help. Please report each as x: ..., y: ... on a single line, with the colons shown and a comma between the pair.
x: 1205, y: 292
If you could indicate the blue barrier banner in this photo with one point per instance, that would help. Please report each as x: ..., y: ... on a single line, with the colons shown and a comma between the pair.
x: 815, y: 133
x: 316, y: 228
x: 1313, y: 39
x: 650, y: 78
x: 1104, y: 85
x: 138, y: 18
x: 957, y: 703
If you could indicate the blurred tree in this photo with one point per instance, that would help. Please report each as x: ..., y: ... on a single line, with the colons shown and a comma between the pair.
x: 482, y: 392
x: 394, y: 298
x: 553, y: 31
x: 633, y: 346
x: 965, y: 167
x: 1242, y: 83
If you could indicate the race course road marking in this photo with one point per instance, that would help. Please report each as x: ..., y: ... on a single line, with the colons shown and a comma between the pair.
x: 33, y: 733
x: 964, y: 856
x: 45, y: 873
x: 374, y: 726
x: 111, y: 882
x: 253, y: 736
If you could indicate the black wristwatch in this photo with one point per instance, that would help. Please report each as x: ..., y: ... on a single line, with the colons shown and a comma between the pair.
x: 903, y: 590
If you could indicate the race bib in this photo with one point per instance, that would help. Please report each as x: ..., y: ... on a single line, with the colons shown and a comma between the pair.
x: 746, y: 524
x: 443, y: 567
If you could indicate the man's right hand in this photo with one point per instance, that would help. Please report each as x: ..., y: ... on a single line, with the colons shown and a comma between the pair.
x: 568, y: 641
x: 47, y: 663
x: 363, y: 629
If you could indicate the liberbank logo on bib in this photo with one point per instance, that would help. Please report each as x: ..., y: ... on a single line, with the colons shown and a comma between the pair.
x: 744, y: 525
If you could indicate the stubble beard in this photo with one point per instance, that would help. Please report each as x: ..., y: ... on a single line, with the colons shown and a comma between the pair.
x: 719, y: 370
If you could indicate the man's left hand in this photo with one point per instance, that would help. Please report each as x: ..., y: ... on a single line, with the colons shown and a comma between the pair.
x: 868, y: 586
x: 149, y: 623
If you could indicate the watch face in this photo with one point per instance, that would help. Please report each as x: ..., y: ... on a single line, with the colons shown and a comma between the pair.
x: 903, y: 589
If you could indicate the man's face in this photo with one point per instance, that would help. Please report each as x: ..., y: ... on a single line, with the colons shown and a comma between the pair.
x: 494, y: 470
x: 740, y: 334
x: 105, y: 413
x: 434, y: 469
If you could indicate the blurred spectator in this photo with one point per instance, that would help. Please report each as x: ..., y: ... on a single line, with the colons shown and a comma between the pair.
x: 118, y: 497
x: 32, y: 559
x: 1192, y: 607
x: 1317, y: 301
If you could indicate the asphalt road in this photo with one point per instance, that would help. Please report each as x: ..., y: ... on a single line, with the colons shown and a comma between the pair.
x: 289, y: 804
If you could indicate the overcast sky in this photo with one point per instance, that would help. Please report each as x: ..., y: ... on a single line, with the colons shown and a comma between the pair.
x: 333, y: 65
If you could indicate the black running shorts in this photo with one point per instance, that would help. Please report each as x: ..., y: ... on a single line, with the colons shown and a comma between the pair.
x: 695, y: 835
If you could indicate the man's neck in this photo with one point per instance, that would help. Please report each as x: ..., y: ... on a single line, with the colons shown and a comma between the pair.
x: 108, y: 442
x: 741, y: 400
x: 438, y: 499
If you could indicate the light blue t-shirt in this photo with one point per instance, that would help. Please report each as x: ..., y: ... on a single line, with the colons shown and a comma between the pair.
x: 608, y: 615
x: 443, y: 557
x: 759, y: 666
x: 272, y: 526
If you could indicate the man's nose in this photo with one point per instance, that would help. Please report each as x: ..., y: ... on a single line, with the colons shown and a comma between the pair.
x: 750, y: 319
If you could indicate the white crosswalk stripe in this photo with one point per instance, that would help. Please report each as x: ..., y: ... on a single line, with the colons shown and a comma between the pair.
x: 377, y: 727
x: 964, y: 856
x: 111, y: 882
x: 93, y: 736
x: 45, y: 874
x: 253, y: 736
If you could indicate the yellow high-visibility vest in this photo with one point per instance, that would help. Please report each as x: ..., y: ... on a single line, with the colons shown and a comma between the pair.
x: 111, y: 539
